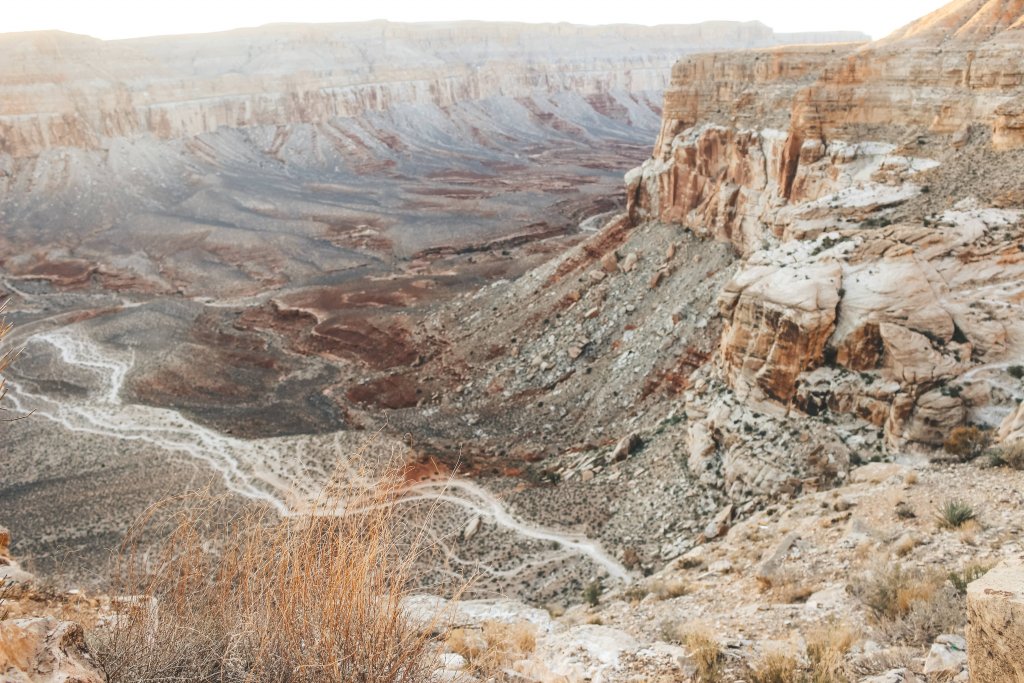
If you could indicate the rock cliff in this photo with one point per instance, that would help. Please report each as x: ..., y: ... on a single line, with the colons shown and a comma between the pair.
x: 863, y: 188
x: 63, y: 90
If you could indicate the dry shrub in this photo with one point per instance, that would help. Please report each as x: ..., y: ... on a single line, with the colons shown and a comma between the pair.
x: 967, y: 443
x: 492, y: 648
x: 877, y: 663
x: 705, y: 655
x: 826, y: 653
x: 787, y: 587
x: 1009, y: 455
x: 666, y: 589
x: 247, y: 596
x: 910, y: 607
x: 776, y: 667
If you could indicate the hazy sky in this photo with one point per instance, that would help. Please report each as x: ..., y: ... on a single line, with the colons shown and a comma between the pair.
x: 130, y: 18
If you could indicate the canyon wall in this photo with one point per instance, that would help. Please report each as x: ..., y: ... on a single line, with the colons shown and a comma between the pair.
x: 868, y: 191
x: 68, y: 90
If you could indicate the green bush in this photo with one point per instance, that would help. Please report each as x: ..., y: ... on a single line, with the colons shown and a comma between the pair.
x: 953, y: 514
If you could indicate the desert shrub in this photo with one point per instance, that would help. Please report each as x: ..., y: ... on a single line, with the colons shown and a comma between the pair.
x: 967, y: 443
x: 966, y: 576
x: 496, y: 645
x: 592, y: 592
x: 1016, y: 371
x: 877, y: 663
x: 953, y: 514
x: 1009, y: 455
x: 666, y: 589
x: 246, y: 596
x: 909, y: 607
x: 787, y: 587
x: 776, y: 667
x: 705, y: 655
x: 826, y: 653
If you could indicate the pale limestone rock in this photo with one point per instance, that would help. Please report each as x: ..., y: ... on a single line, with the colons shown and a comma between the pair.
x: 995, y: 624
x: 720, y: 524
x: 629, y: 263
x: 44, y: 650
x: 772, y: 562
x: 1012, y: 428
x: 947, y: 657
x: 626, y: 446
x: 894, y: 676
x: 878, y: 472
x: 778, y: 320
x: 701, y: 446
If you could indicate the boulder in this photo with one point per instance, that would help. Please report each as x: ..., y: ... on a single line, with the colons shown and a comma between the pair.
x: 947, y: 658
x: 995, y: 624
x: 720, y: 524
x: 626, y: 447
x: 44, y: 650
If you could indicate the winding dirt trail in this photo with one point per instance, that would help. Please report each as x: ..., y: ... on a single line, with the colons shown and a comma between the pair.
x: 242, y: 464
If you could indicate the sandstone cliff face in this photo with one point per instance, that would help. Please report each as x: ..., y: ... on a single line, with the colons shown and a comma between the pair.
x: 875, y: 281
x: 63, y: 90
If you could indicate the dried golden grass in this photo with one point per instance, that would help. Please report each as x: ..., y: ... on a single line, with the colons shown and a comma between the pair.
x: 705, y: 655
x: 827, y: 648
x: 776, y: 667
x: 248, y: 596
x: 491, y: 649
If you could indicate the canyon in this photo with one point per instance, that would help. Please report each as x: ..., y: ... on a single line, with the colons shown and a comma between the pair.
x: 731, y: 363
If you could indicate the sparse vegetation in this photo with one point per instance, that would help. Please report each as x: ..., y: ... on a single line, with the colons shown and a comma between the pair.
x: 1008, y: 455
x: 969, y: 574
x: 493, y: 647
x: 1016, y: 371
x: 826, y: 653
x: 666, y: 589
x: 967, y: 443
x: 248, y: 596
x: 910, y: 607
x: 953, y: 514
x: 592, y: 592
x: 776, y: 667
x: 787, y: 588
x: 705, y: 655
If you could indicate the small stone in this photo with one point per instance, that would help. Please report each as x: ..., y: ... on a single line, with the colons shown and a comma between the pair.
x: 657, y: 278
x: 597, y: 275
x: 575, y: 352
x: 471, y: 529
x: 629, y: 263
x: 587, y: 476
x: 610, y: 262
x: 592, y: 313
x: 720, y: 524
x: 670, y: 253
x: 720, y: 567
x: 626, y: 446
x: 452, y: 661
x: 843, y: 504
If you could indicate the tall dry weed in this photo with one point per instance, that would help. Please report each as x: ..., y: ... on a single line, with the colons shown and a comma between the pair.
x: 247, y: 596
